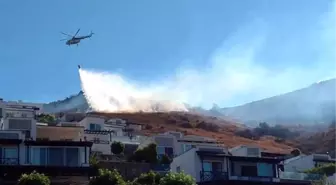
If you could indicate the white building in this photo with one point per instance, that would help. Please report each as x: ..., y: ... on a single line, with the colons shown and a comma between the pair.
x: 210, y: 164
x: 302, y: 163
x: 104, y: 132
x: 174, y: 143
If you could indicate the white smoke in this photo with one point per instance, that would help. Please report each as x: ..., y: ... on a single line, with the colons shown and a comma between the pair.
x: 111, y: 93
x: 233, y: 76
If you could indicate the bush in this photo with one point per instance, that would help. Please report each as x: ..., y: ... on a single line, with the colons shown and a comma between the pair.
x: 296, y: 152
x: 208, y: 126
x: 327, y: 170
x: 150, y: 178
x: 177, y: 179
x: 107, y: 177
x: 93, y: 161
x: 324, y: 181
x: 148, y: 127
x: 147, y: 154
x: 117, y: 147
x: 46, y: 118
x: 278, y: 131
x: 165, y: 160
x: 34, y: 178
x: 247, y: 133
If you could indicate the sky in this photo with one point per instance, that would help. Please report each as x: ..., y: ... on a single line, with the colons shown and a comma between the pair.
x: 218, y: 51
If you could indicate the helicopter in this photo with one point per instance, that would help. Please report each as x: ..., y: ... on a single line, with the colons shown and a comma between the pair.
x: 74, y: 39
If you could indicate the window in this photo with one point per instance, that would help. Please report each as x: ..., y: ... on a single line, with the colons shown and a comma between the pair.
x: 212, y: 166
x: 186, y: 147
x: 94, y: 126
x: 8, y: 155
x: 160, y: 150
x: 169, y: 151
x: 207, y: 166
x: 55, y: 156
x: 178, y: 169
x: 71, y: 157
x: 5, y: 135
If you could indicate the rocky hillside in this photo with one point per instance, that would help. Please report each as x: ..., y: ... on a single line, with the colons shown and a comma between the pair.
x: 192, y: 124
x: 313, y: 105
x: 322, y: 142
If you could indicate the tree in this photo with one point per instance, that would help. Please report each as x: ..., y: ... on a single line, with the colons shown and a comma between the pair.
x: 46, y: 118
x: 34, y: 178
x: 147, y: 154
x: 107, y: 177
x: 150, y: 178
x: 324, y: 181
x: 117, y: 147
x: 177, y: 179
x: 165, y: 160
x: 93, y: 160
x: 296, y: 152
x: 328, y: 170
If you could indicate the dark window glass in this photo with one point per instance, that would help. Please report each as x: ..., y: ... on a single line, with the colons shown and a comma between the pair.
x: 71, y: 156
x: 56, y: 156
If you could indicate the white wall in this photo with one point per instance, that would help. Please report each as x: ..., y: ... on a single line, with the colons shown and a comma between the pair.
x: 89, y: 119
x: 299, y: 165
x: 188, y: 162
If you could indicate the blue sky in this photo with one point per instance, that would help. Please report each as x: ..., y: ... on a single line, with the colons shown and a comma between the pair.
x: 249, y: 49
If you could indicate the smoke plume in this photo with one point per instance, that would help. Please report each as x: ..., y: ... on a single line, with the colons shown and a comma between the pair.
x: 107, y: 92
x: 236, y: 72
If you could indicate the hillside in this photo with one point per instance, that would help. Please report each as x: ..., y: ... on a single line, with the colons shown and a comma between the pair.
x: 323, y: 142
x: 193, y: 124
x: 313, y: 105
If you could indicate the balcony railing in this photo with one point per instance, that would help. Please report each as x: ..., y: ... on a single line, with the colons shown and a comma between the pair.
x: 213, y: 176
x: 299, y: 176
x: 252, y: 178
x: 100, y: 141
x: 160, y: 167
x: 9, y: 161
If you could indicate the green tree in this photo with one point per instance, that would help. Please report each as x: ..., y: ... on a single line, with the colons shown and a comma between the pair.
x: 150, y: 178
x: 33, y: 178
x: 117, y: 147
x: 296, y: 152
x: 107, y: 177
x: 93, y: 160
x: 323, y: 181
x: 177, y: 179
x: 46, y: 118
x: 147, y: 154
x: 327, y: 170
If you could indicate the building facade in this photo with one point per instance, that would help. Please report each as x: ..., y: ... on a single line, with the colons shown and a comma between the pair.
x: 174, y: 143
x: 23, y: 148
x: 240, y: 165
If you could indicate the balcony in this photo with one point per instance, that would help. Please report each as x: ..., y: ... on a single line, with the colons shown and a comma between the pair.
x: 160, y: 167
x: 252, y: 178
x: 9, y: 161
x: 299, y: 176
x: 213, y: 176
x: 100, y: 141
